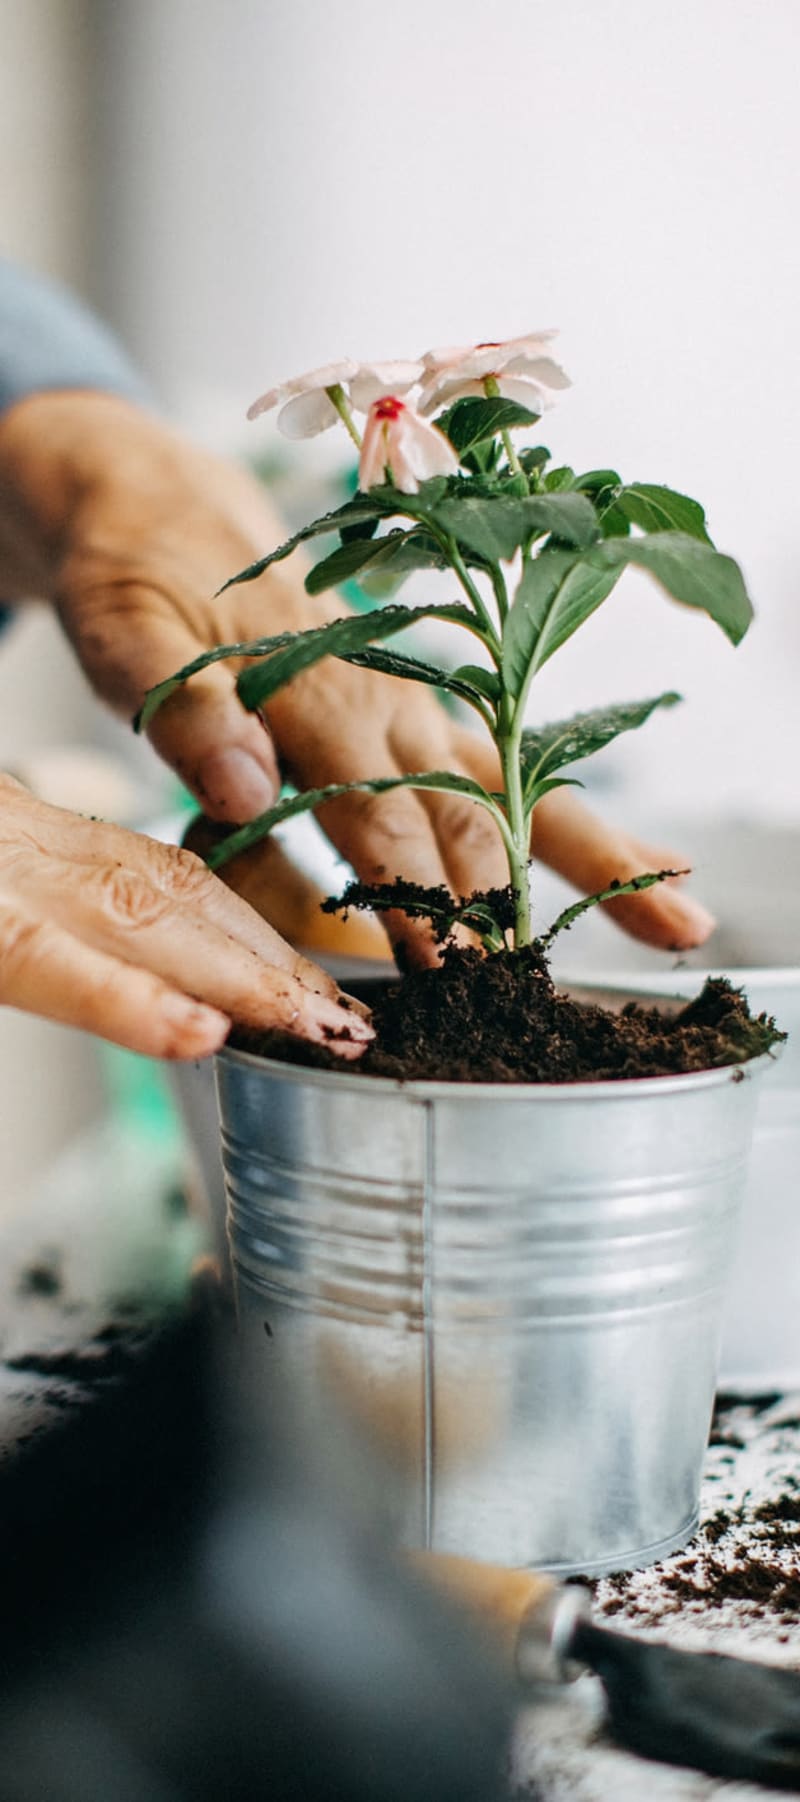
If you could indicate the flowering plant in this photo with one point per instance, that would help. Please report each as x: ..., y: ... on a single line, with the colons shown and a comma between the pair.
x: 534, y: 549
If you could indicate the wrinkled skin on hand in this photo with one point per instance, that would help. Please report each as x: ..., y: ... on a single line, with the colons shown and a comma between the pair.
x: 131, y: 530
x: 116, y: 933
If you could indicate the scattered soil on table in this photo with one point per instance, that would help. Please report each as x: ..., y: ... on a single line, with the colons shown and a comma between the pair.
x: 42, y: 1277
x: 499, y: 1018
x: 749, y: 1555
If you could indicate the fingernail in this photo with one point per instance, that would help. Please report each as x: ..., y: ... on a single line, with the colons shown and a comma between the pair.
x: 199, y: 1026
x: 354, y: 1009
x: 233, y: 785
x: 697, y: 916
x: 332, y: 1019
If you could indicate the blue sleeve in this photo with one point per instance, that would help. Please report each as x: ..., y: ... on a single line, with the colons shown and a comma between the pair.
x: 49, y: 339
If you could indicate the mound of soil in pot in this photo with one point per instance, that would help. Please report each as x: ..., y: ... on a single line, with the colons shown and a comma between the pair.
x: 499, y: 1018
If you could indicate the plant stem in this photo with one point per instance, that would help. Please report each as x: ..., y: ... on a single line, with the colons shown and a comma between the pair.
x: 338, y: 399
x: 492, y: 392
x: 518, y: 841
x: 474, y: 593
x: 456, y: 561
x: 500, y: 592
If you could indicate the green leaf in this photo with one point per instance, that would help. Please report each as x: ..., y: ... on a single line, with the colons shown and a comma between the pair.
x: 486, y: 681
x: 407, y: 552
x: 470, y: 422
x: 494, y: 527
x: 559, y: 481
x: 595, y: 481
x: 690, y: 571
x: 611, y: 518
x: 484, y: 458
x: 440, y: 781
x: 336, y: 639
x: 414, y: 506
x: 349, y: 559
x: 360, y: 528
x: 535, y: 791
x: 478, y: 917
x: 393, y: 663
x: 253, y: 647
x: 634, y: 887
x: 604, y: 486
x: 546, y: 749
x: 435, y: 904
x: 557, y: 592
x: 358, y: 511
x: 534, y: 458
x: 657, y: 509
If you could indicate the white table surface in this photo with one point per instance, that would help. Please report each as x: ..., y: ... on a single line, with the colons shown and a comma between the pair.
x: 561, y: 1749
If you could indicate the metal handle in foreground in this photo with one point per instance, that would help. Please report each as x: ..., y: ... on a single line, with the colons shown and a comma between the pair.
x: 533, y: 1617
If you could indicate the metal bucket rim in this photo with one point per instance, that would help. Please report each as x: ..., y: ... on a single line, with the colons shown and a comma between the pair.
x: 609, y: 1089
x: 642, y: 983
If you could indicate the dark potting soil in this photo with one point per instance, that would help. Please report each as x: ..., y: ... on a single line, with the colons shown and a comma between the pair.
x: 748, y: 1555
x: 499, y: 1018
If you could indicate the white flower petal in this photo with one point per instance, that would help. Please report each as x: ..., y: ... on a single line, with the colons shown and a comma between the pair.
x: 530, y: 346
x: 436, y: 360
x: 422, y: 450
x: 372, y: 461
x: 373, y: 380
x: 541, y: 369
x: 329, y: 375
x: 442, y: 390
x: 265, y: 402
x: 401, y: 464
x: 413, y: 449
x: 456, y: 373
x: 525, y: 392
x: 307, y: 414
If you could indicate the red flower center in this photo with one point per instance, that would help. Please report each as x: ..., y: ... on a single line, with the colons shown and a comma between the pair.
x: 389, y: 407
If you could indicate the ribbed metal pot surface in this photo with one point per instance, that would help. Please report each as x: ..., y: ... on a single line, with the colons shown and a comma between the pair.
x: 517, y: 1289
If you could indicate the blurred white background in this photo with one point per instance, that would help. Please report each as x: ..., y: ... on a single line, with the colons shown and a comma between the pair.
x: 246, y: 189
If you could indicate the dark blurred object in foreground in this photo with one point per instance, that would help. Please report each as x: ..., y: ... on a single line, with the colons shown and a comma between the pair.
x: 195, y: 1608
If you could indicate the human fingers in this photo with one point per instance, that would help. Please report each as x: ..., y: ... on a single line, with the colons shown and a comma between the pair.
x: 44, y: 970
x: 385, y: 837
x: 131, y: 530
x: 121, y: 912
x: 103, y: 884
x: 345, y: 725
x: 591, y: 855
x: 129, y: 636
x: 468, y: 839
x: 183, y: 877
x: 290, y: 899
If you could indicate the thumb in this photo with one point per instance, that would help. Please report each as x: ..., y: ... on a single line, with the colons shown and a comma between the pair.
x: 223, y: 754
x: 134, y: 637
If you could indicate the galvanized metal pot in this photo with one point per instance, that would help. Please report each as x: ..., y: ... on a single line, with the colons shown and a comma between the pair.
x: 761, y: 1330
x: 519, y: 1288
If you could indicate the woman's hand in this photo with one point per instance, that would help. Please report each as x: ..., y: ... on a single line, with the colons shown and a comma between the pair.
x: 116, y: 933
x: 131, y: 530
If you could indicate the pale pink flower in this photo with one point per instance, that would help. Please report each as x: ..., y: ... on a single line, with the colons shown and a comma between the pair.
x: 396, y: 438
x: 522, y: 368
x: 305, y: 404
